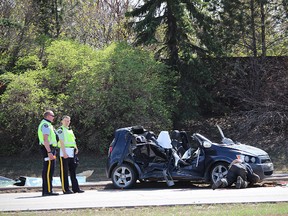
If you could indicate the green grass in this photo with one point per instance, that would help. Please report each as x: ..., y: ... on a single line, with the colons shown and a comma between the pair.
x: 261, y: 209
x: 31, y: 165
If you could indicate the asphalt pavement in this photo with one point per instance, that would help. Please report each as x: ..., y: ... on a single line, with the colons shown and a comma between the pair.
x: 140, y: 197
x: 101, y: 194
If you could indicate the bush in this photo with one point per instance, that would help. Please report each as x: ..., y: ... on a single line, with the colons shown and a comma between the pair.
x: 21, y: 105
x: 101, y: 90
x: 122, y: 89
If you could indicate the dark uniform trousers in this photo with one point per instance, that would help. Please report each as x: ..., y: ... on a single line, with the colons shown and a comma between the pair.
x: 244, y: 170
x: 48, y: 170
x: 68, y: 165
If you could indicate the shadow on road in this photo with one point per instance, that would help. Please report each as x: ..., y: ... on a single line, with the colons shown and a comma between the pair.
x: 162, y: 185
x: 179, y: 185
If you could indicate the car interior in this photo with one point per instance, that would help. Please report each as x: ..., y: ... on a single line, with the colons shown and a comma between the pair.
x: 151, y: 153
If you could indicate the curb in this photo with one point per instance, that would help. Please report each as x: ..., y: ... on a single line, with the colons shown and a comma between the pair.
x: 273, y: 178
x: 87, y: 184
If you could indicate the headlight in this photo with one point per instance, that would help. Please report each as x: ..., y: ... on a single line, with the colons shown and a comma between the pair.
x: 247, y: 159
x: 253, y: 159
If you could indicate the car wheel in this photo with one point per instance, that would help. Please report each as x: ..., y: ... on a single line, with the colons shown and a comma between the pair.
x: 123, y: 176
x: 218, y: 171
x: 268, y: 173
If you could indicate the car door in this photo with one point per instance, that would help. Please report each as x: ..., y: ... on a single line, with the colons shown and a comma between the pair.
x: 198, y: 163
x: 195, y: 164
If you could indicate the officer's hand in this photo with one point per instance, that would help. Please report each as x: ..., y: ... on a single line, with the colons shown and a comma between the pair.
x: 76, y: 151
x: 65, y: 155
x: 51, y: 156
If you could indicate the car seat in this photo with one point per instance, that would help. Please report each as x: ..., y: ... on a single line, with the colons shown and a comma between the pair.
x: 164, y: 140
x: 176, y: 142
x: 185, y: 140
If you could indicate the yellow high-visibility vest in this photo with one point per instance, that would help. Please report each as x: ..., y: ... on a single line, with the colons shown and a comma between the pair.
x: 52, y: 136
x: 69, y: 137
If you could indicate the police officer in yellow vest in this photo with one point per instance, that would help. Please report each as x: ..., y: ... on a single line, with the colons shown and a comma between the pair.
x: 48, y: 144
x: 68, y: 154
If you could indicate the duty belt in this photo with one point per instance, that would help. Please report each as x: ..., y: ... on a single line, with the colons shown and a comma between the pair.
x: 51, y: 146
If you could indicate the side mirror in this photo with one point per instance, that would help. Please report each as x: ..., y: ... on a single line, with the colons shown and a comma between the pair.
x: 207, y: 144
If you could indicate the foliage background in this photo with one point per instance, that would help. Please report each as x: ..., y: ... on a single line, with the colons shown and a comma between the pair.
x: 101, y: 90
x: 164, y: 64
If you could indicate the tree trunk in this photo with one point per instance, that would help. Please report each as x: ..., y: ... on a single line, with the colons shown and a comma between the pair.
x: 263, y: 30
x: 58, y: 26
x: 252, y: 8
x: 172, y: 40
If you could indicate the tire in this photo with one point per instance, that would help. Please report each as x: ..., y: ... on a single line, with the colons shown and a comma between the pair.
x: 268, y: 173
x: 123, y: 176
x: 218, y: 171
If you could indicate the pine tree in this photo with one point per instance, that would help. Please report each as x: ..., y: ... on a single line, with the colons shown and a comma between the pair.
x: 180, y: 20
x: 48, y: 16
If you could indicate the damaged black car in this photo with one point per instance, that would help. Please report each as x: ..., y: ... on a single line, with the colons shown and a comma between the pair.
x: 138, y: 154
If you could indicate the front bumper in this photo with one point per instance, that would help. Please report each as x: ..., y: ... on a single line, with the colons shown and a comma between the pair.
x: 262, y: 170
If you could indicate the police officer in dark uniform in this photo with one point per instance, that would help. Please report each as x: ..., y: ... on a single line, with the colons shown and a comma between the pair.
x: 240, y: 173
x: 68, y: 156
x: 48, y: 143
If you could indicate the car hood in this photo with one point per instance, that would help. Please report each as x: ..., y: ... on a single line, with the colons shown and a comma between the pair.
x: 247, y: 149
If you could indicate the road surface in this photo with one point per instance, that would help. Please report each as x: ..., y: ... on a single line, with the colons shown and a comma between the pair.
x: 140, y: 197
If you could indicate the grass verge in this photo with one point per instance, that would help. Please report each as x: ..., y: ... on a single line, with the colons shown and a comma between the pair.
x: 14, y: 167
x: 253, y: 209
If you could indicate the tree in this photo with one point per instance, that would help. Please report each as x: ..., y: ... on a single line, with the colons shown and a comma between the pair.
x: 26, y: 26
x: 102, y: 90
x: 96, y: 23
x: 122, y: 88
x: 15, y: 30
x: 22, y: 105
x: 48, y: 17
x: 185, y: 26
x: 180, y: 18
x: 250, y: 28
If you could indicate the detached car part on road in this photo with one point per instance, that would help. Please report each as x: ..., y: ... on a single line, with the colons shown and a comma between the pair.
x: 137, y: 154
